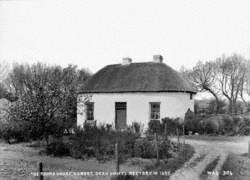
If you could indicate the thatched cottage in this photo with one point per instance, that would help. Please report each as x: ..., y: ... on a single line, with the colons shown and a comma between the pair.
x: 121, y: 94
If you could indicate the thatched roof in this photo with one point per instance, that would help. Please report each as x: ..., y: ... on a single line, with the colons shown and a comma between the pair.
x: 137, y: 77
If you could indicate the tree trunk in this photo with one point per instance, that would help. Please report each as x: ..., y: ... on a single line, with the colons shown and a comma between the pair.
x: 46, y: 139
x: 216, y: 99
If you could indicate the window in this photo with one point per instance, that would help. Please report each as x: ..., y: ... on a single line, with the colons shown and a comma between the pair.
x: 90, y: 110
x: 154, y: 111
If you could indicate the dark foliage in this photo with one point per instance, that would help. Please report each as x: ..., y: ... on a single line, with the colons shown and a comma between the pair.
x: 58, y: 148
x: 167, y: 126
x: 171, y: 164
x: 99, y: 142
x: 47, y: 98
x: 221, y: 124
x: 144, y: 148
x: 170, y: 125
x: 14, y: 132
x: 155, y: 126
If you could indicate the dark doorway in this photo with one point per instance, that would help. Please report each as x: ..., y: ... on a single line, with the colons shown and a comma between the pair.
x: 120, y: 115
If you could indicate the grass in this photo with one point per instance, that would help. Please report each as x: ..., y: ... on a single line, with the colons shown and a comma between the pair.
x: 211, y: 165
x: 216, y: 138
x: 196, y: 160
x: 169, y: 165
x: 210, y: 168
x: 17, y: 161
x: 235, y: 167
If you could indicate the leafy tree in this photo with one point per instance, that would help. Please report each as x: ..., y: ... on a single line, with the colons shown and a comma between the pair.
x: 47, y: 97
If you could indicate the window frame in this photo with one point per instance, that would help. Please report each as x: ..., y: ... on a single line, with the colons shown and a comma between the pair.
x: 150, y: 111
x: 90, y: 114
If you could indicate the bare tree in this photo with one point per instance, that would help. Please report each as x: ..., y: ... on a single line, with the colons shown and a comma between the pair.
x: 231, y: 77
x: 203, y: 77
x: 245, y: 85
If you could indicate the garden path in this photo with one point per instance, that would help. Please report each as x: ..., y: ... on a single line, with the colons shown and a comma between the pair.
x: 207, y: 151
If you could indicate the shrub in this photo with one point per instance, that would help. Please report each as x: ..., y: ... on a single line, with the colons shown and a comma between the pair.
x: 145, y: 148
x: 171, y: 125
x: 58, y: 148
x: 137, y: 128
x: 100, y: 142
x: 154, y: 126
x: 193, y: 123
x: 171, y: 164
x: 14, y: 131
x: 244, y: 126
x: 211, y: 126
x: 127, y: 140
x: 164, y: 149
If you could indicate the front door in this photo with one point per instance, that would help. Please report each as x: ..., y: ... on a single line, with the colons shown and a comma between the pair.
x: 120, y: 115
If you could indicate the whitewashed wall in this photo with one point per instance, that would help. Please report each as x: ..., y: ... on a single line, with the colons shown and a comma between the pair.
x: 138, y: 107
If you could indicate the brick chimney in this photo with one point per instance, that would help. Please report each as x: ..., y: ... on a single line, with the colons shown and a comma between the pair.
x: 126, y: 61
x: 157, y: 58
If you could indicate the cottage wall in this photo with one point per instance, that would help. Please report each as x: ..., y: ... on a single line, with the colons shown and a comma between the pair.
x: 138, y: 108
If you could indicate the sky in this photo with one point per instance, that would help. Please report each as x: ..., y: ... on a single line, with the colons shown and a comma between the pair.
x: 94, y: 33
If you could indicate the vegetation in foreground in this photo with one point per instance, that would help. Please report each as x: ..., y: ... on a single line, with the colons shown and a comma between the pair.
x: 235, y: 167
x: 99, y: 142
x: 169, y: 166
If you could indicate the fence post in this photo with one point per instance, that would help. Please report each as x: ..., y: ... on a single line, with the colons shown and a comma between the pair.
x: 178, y: 138
x: 156, y: 147
x: 40, y: 170
x: 183, y: 130
x: 165, y: 130
x: 117, y: 157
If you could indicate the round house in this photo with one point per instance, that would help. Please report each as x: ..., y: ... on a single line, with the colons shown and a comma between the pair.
x: 121, y: 94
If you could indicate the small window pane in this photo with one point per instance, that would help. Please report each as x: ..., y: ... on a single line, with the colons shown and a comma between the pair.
x: 90, y: 111
x: 155, y: 111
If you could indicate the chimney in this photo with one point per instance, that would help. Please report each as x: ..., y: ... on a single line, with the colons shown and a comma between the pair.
x: 157, y: 58
x: 126, y: 61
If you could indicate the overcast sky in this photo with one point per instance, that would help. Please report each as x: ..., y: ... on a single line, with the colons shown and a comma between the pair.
x: 92, y: 34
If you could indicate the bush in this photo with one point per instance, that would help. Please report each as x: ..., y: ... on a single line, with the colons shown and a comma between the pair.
x: 100, y: 142
x: 244, y: 127
x: 193, y: 123
x: 137, y: 128
x: 58, y: 148
x: 14, y: 131
x: 226, y: 125
x: 171, y: 125
x: 144, y: 149
x: 171, y: 164
x: 155, y: 126
x: 211, y: 126
x: 164, y: 149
